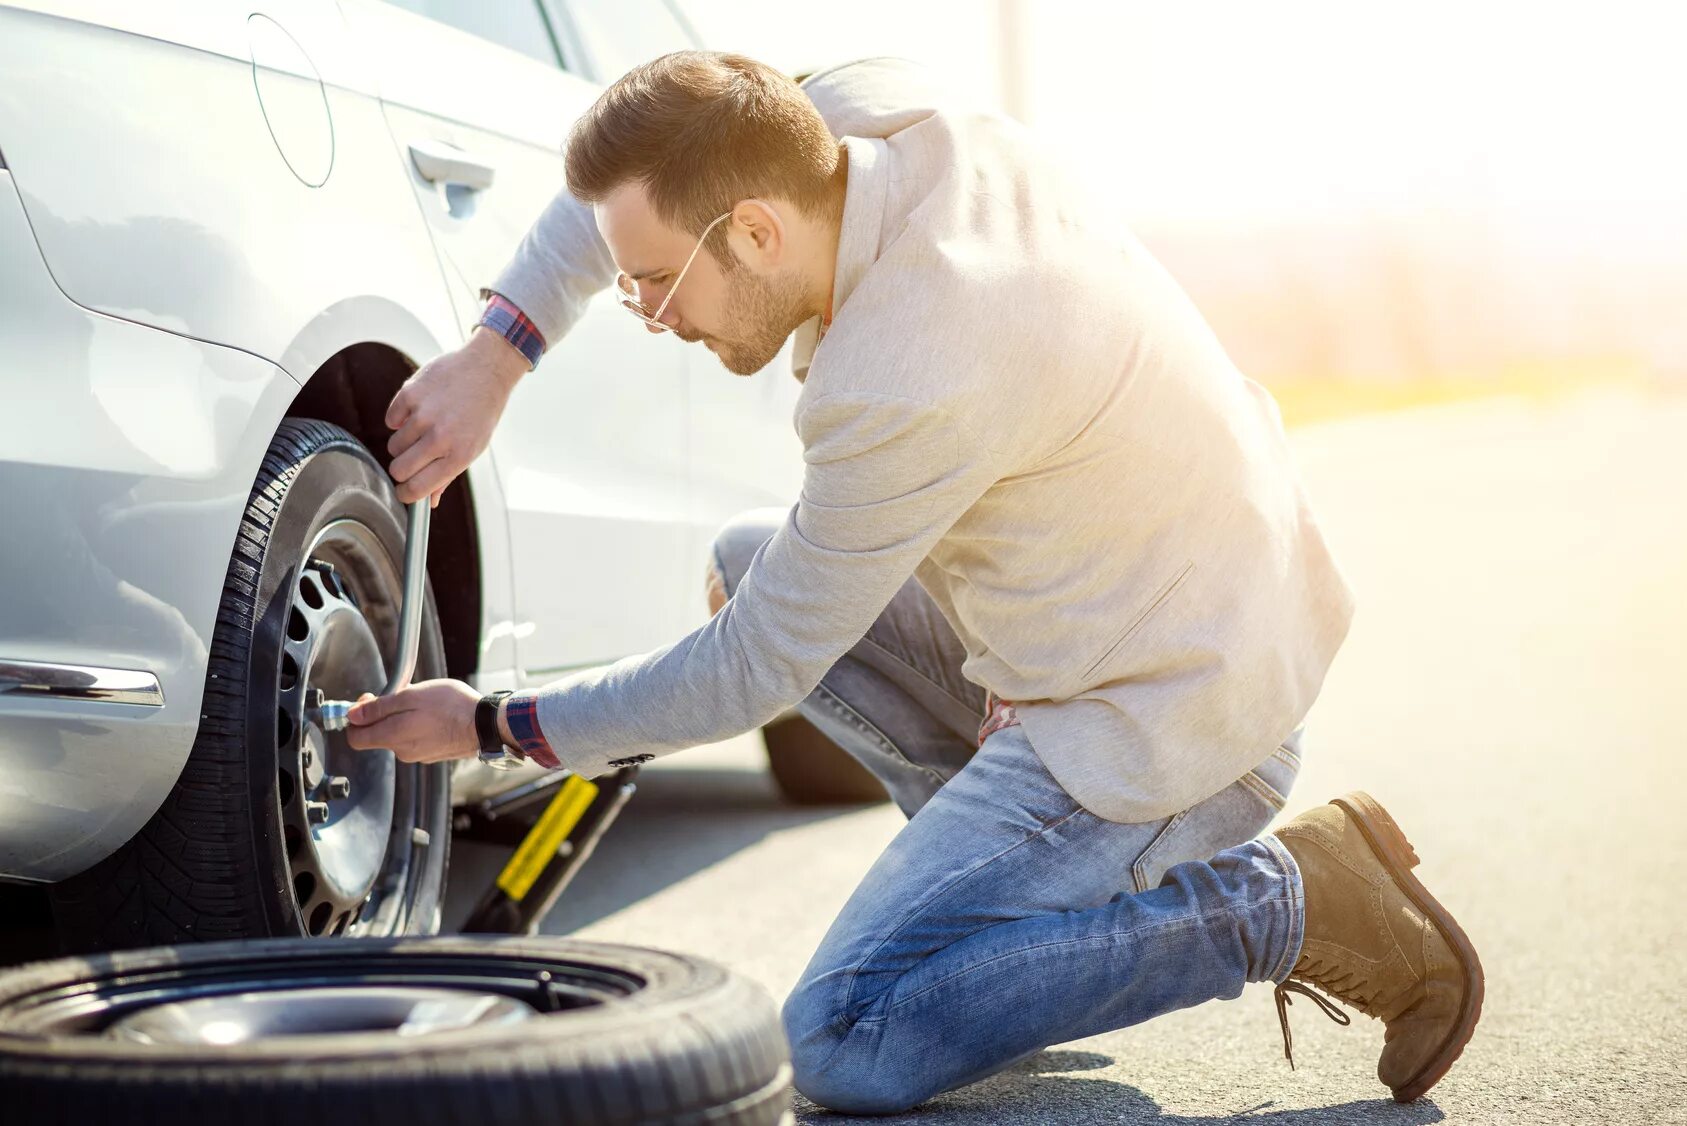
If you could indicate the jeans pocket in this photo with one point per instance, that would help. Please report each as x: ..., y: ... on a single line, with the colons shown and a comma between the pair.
x: 1272, y: 779
x: 1239, y: 812
x: 1274, y: 799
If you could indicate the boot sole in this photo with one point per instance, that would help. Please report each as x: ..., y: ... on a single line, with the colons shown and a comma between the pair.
x: 1384, y: 835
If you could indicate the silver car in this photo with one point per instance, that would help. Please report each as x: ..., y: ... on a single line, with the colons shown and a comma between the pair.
x: 226, y: 239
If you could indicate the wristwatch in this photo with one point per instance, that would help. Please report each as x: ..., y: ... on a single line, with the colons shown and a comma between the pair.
x: 494, y: 751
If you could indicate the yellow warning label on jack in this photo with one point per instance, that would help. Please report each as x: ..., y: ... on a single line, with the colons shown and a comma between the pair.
x: 540, y: 845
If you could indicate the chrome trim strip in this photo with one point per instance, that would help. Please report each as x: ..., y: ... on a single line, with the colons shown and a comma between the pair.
x: 79, y: 682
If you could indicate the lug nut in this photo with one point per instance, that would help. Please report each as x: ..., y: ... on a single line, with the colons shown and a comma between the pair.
x: 339, y: 786
x: 320, y: 711
x: 316, y: 812
x: 331, y: 714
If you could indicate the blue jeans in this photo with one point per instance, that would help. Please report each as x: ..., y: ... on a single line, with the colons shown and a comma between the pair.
x: 1006, y: 917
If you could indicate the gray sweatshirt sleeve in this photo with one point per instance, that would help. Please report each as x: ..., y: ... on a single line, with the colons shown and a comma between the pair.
x: 885, y: 478
x: 561, y: 263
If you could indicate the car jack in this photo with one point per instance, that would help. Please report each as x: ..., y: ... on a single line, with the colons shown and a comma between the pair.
x: 576, y: 812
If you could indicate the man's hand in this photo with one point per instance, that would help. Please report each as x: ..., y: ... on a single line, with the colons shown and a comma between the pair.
x: 430, y: 721
x: 445, y: 412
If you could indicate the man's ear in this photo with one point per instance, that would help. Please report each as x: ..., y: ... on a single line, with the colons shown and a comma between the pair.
x: 759, y: 223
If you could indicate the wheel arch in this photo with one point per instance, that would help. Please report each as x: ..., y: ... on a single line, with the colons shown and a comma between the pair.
x: 352, y: 388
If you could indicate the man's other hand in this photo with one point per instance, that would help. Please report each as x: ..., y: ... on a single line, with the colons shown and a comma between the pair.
x: 427, y: 722
x: 444, y: 414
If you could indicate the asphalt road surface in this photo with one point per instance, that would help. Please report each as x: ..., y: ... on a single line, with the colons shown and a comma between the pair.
x: 1514, y: 689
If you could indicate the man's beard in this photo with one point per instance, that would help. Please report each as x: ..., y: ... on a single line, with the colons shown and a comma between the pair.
x: 761, y: 315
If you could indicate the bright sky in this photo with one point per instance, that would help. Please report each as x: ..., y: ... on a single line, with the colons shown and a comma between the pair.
x: 1343, y: 187
x: 1283, y: 109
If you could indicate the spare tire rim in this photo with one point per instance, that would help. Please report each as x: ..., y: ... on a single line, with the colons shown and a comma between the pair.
x: 255, y: 996
x: 313, y: 1011
x: 347, y: 853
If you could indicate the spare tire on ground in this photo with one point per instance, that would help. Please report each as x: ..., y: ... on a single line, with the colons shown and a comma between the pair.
x: 421, y: 1030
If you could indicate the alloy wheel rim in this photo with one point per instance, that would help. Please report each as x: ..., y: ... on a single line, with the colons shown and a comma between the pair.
x: 350, y: 818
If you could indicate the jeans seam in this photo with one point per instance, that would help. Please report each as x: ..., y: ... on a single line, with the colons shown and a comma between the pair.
x: 1137, y: 866
x: 1198, y: 920
x: 916, y: 670
x: 867, y: 728
x: 1265, y: 791
x: 1296, y: 902
x: 914, y: 909
x: 1286, y: 757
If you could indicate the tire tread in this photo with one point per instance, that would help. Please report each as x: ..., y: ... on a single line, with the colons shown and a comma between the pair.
x: 185, y: 876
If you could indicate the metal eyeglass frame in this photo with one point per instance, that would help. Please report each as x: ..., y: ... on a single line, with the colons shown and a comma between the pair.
x: 636, y: 307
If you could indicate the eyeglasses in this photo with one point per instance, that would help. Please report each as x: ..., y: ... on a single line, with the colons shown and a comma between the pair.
x: 629, y: 289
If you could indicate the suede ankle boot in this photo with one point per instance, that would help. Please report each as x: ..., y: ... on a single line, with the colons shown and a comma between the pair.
x: 1378, y: 941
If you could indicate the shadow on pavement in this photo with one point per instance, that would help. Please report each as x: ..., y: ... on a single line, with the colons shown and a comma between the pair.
x: 1036, y: 1092
x: 678, y: 823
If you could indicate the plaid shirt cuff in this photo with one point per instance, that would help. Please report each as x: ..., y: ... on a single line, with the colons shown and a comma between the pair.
x: 522, y: 714
x: 502, y: 317
x: 1001, y: 713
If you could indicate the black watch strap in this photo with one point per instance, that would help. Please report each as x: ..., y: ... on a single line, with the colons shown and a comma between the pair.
x: 486, y: 723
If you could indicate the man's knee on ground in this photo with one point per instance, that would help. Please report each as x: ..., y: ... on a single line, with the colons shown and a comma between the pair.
x: 833, y: 1070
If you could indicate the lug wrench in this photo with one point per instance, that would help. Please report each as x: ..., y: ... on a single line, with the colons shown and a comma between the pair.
x: 331, y: 714
x: 567, y: 831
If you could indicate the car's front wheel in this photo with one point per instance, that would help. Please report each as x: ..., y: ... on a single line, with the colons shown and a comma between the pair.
x: 276, y: 827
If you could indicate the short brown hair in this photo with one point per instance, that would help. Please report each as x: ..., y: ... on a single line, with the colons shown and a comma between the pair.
x: 702, y: 130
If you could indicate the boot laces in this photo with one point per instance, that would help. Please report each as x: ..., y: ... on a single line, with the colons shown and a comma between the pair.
x: 1281, y: 994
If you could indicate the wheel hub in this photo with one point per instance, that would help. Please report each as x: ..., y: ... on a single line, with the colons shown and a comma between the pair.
x: 337, y: 801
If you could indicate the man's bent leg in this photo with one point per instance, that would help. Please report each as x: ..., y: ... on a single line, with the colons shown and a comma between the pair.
x: 1003, y: 919
x: 896, y: 701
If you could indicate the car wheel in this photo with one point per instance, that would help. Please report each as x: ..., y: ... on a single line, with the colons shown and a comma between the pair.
x: 442, y: 1029
x: 811, y: 769
x: 275, y: 827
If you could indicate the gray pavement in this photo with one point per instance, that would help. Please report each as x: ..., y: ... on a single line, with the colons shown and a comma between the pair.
x: 1513, y: 689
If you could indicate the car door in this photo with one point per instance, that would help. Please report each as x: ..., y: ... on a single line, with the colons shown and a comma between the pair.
x: 591, y: 451
x: 745, y: 452
x: 744, y: 449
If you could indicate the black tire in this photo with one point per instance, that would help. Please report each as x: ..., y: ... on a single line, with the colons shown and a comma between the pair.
x: 230, y: 853
x: 810, y: 769
x: 628, y: 1035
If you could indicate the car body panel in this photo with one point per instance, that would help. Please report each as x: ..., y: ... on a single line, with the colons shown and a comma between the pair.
x: 126, y: 456
x: 745, y: 451
x: 213, y: 236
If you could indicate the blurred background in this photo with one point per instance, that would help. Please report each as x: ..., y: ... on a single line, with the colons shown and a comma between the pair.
x: 1452, y: 240
x: 1387, y: 202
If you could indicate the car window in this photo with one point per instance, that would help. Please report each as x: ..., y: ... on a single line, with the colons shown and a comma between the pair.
x: 620, y: 34
x: 516, y: 24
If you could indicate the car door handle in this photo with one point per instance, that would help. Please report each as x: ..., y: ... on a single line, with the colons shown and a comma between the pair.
x: 443, y: 163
